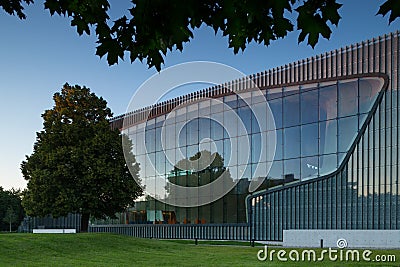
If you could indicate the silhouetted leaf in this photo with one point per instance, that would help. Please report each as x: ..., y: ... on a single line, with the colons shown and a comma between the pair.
x: 392, y: 6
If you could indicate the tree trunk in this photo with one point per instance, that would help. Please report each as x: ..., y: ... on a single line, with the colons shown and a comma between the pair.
x: 85, y: 222
x: 10, y: 226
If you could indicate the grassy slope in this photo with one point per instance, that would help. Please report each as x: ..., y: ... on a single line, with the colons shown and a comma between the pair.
x: 115, y: 250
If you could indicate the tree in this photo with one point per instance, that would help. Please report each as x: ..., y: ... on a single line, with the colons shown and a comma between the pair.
x: 10, y: 217
x: 78, y: 164
x: 156, y: 26
x: 11, y: 211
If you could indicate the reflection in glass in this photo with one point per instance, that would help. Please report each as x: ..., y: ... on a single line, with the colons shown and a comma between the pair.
x: 291, y: 145
x: 309, y: 168
x: 217, y: 130
x: 256, y: 148
x: 348, y: 98
x: 245, y: 115
x: 292, y: 169
x: 279, y: 144
x: 309, y: 140
x: 276, y: 171
x: 328, y: 137
x: 368, y: 92
x: 348, y: 128
x: 328, y: 102
x: 309, y: 106
x: 276, y: 108
x: 291, y: 110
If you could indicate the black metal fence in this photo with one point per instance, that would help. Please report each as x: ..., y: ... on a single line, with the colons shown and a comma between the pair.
x: 71, y: 221
x: 178, y: 231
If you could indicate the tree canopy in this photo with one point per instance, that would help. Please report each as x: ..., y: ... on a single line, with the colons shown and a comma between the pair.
x: 78, y: 164
x: 11, y: 211
x: 155, y: 27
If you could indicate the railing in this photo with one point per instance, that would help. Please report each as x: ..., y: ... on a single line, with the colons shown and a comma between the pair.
x: 178, y: 231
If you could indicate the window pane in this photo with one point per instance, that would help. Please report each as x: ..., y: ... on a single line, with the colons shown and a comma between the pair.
x: 150, y: 140
x: 217, y: 131
x: 276, y: 170
x: 328, y: 102
x: 309, y: 168
x: 348, y: 98
x: 292, y: 142
x: 328, y: 137
x: 204, y: 108
x: 368, y: 91
x: 309, y: 140
x: 256, y: 148
x: 291, y: 110
x: 230, y: 101
x: 276, y: 108
x: 348, y: 128
x: 204, y: 128
x: 192, y: 131
x: 309, y: 106
x: 245, y: 115
x: 279, y: 144
x: 292, y: 169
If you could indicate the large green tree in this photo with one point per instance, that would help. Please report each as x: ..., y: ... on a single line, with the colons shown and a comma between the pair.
x: 78, y: 163
x: 11, y: 211
x: 155, y: 27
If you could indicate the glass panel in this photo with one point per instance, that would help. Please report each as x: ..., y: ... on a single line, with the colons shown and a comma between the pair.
x: 276, y: 171
x: 327, y: 163
x: 292, y: 142
x: 181, y: 114
x: 245, y: 115
x: 244, y: 99
x: 158, y: 146
x: 217, y: 105
x: 276, y: 108
x: 269, y: 138
x: 258, y: 97
x: 150, y: 140
x: 204, y: 128
x: 243, y: 146
x: 230, y: 102
x: 348, y: 98
x: 291, y: 110
x: 328, y: 102
x: 192, y: 131
x: 217, y: 130
x: 274, y: 93
x: 256, y: 148
x: 348, y: 128
x: 181, y: 132
x: 368, y: 91
x: 204, y: 108
x: 309, y: 168
x: 309, y: 106
x: 259, y: 123
x: 328, y: 137
x: 292, y: 169
x: 309, y: 140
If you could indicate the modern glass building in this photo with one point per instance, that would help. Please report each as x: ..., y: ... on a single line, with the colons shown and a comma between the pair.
x: 324, y: 153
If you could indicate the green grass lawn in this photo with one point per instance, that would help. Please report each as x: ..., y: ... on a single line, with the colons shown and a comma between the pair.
x: 117, y: 250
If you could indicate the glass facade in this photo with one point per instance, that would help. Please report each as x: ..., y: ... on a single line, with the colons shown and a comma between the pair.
x: 316, y: 126
x: 362, y: 194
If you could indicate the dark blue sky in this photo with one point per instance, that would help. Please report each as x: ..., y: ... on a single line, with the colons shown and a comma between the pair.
x: 40, y: 54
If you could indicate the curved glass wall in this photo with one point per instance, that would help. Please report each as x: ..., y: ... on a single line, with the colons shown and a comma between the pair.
x: 364, y: 194
x: 315, y: 126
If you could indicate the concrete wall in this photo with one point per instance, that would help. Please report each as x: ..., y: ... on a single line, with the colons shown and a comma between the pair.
x: 342, y: 238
